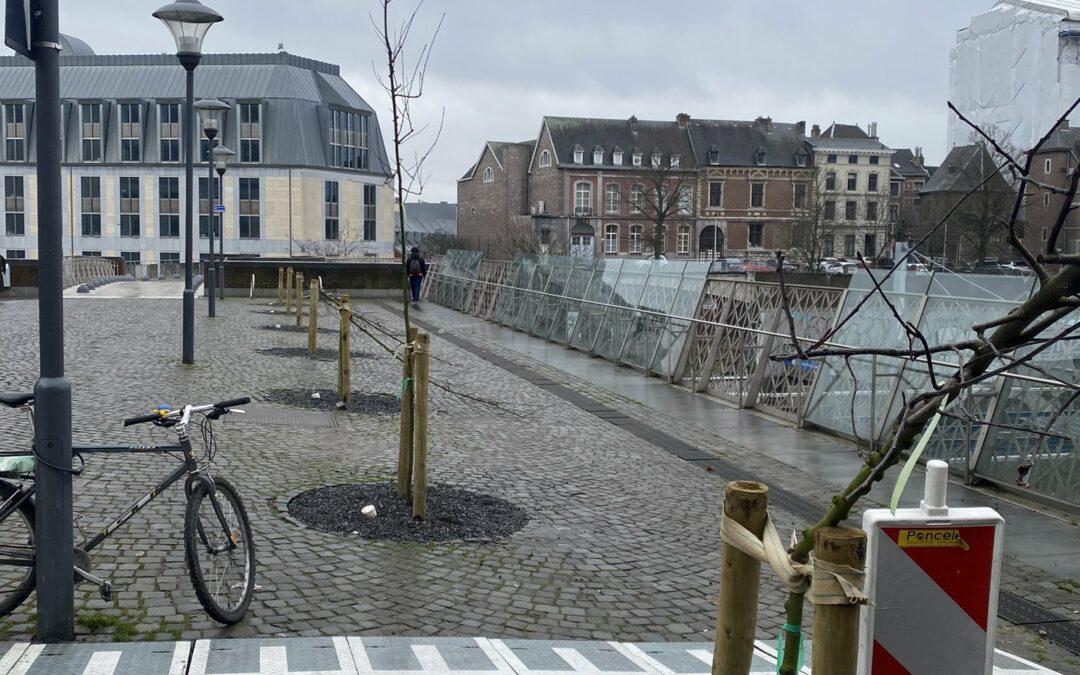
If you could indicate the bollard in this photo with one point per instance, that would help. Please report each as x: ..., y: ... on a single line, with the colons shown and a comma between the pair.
x: 281, y: 285
x: 299, y: 299
x: 404, y: 462
x: 420, y: 411
x: 313, y: 317
x: 745, y: 502
x: 836, y: 627
x: 288, y: 290
x: 343, y: 385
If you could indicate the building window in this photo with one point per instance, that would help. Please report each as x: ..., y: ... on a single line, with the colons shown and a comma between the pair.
x: 870, y: 246
x: 16, y: 254
x: 637, y: 159
x: 830, y: 210
x: 616, y: 157
x: 331, y: 202
x: 582, y: 199
x: 872, y: 184
x: 168, y: 257
x: 251, y: 133
x: 90, y: 127
x: 849, y: 210
x: 348, y: 138
x: 756, y: 235
x: 15, y: 206
x: 682, y: 240
x: 611, y: 198
x: 579, y: 155
x: 131, y: 257
x: 852, y: 182
x: 853, y: 159
x: 849, y: 245
x: 91, y: 206
x: 800, y: 195
x: 675, y: 161
x: 871, y: 212
x: 207, y: 196
x: 874, y: 159
x: 15, y: 132
x: 894, y: 213
x: 1046, y: 199
x: 917, y: 186
x: 130, y: 132
x: 759, y: 157
x: 1048, y: 166
x: 714, y: 155
x: 169, y: 207
x: 369, y: 212
x: 169, y: 131
x: 656, y: 160
x: 637, y: 198
x: 716, y: 195
x: 686, y: 205
x: 800, y: 158
x: 830, y: 181
x: 545, y: 159
x: 636, y: 239
x: 611, y: 239
x: 894, y: 188
x: 831, y: 159
x: 129, y: 206
x: 827, y: 247
x: 249, y: 208
x: 91, y: 254
x: 757, y: 195
x: 598, y: 156
x: 489, y: 175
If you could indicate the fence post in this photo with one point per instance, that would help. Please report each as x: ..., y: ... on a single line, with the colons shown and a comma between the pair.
x: 288, y: 290
x: 313, y: 317
x: 343, y: 384
x: 746, y: 503
x: 299, y: 299
x: 836, y: 627
x: 420, y: 413
x: 281, y: 285
x: 404, y: 462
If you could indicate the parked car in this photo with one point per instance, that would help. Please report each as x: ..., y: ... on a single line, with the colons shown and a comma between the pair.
x: 842, y: 268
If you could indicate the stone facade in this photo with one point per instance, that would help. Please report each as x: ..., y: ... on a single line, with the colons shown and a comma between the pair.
x: 1053, y: 165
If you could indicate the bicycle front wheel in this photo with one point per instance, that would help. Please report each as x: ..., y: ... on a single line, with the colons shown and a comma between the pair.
x: 17, y: 547
x: 221, y: 560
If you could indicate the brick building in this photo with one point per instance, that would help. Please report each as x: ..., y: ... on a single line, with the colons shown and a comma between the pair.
x: 909, y: 177
x: 1053, y: 165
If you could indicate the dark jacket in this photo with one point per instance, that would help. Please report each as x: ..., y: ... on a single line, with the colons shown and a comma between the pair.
x: 423, y: 264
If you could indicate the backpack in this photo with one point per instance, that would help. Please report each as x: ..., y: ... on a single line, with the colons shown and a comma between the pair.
x: 415, y: 268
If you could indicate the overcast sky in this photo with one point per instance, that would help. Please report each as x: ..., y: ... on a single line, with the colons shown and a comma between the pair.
x: 499, y: 66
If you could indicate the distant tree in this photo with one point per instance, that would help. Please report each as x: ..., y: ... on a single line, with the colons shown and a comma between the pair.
x: 666, y: 194
x: 349, y: 244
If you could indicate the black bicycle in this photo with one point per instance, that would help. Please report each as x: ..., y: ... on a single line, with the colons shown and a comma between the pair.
x: 217, y: 534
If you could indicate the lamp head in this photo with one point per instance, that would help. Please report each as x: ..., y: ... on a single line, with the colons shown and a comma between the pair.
x: 187, y: 21
x: 211, y: 115
x: 223, y: 157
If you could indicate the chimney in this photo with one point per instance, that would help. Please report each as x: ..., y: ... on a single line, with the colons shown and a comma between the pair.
x: 871, y: 130
x: 765, y: 123
x: 682, y: 119
x: 1064, y: 126
x: 815, y: 131
x: 800, y: 127
x: 917, y: 159
x: 633, y: 124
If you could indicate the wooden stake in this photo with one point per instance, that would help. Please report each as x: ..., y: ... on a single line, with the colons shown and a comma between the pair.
x: 836, y: 627
x: 404, y: 461
x: 746, y: 503
x: 313, y: 314
x: 288, y: 290
x: 343, y: 385
x: 299, y: 298
x: 281, y: 285
x: 420, y: 415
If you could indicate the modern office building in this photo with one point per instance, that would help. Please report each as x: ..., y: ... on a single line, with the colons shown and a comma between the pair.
x: 310, y: 175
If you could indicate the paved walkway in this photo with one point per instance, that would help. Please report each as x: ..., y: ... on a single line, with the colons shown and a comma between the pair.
x: 356, y: 655
x: 135, y: 289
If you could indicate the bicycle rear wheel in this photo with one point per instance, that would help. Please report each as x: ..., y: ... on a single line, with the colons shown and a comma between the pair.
x: 221, y: 563
x: 17, y: 546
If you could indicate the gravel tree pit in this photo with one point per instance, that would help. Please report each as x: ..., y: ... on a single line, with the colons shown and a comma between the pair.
x: 359, y: 402
x: 321, y: 353
x: 453, y: 513
x: 292, y: 328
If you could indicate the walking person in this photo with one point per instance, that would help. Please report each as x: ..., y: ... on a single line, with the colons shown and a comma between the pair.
x: 417, y: 268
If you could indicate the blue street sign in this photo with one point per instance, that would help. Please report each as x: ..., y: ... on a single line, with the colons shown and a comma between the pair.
x: 219, y: 208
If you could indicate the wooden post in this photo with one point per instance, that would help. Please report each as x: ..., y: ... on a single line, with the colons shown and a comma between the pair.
x: 288, y: 290
x: 313, y: 317
x: 281, y: 285
x: 299, y: 298
x: 746, y: 503
x: 343, y: 385
x: 836, y: 627
x: 420, y: 412
x: 404, y: 461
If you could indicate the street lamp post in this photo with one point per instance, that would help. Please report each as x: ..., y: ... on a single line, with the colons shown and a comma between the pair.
x: 211, y: 112
x: 188, y: 21
x: 222, y: 157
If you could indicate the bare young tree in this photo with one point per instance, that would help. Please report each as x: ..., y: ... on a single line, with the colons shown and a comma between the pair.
x: 349, y: 244
x: 662, y: 195
x: 813, y: 225
x: 994, y: 347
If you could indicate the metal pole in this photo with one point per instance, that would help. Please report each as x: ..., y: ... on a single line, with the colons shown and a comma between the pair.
x: 52, y: 393
x: 211, y: 279
x: 221, y: 237
x: 189, y: 62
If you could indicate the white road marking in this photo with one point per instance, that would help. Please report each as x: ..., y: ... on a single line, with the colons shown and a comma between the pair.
x: 102, y: 663
x: 198, y: 658
x: 180, y: 658
x: 576, y: 661
x: 273, y: 661
x: 640, y: 658
x: 430, y: 659
x: 26, y: 659
x: 12, y: 656
x: 703, y: 655
x: 359, y: 656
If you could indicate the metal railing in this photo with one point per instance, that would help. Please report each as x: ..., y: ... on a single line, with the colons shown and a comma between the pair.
x: 81, y: 269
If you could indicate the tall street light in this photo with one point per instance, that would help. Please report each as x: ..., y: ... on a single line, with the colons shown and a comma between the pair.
x: 188, y: 21
x: 211, y: 112
x: 222, y: 158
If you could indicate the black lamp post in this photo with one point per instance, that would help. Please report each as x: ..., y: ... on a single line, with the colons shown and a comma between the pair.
x: 222, y: 157
x: 211, y: 112
x: 188, y: 21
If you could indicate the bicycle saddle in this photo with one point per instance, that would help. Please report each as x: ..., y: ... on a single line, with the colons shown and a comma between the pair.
x: 15, y: 399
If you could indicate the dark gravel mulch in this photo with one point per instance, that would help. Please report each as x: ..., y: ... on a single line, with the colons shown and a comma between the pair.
x: 453, y: 513
x: 293, y: 328
x: 321, y: 353
x: 359, y: 402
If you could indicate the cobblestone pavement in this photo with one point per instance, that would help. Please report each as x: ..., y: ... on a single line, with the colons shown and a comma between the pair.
x: 622, y: 543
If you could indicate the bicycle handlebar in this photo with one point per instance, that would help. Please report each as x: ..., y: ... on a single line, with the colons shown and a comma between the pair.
x: 141, y: 419
x: 222, y: 405
x: 233, y: 402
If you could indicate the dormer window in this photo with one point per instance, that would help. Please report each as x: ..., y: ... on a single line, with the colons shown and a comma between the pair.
x: 714, y: 155
x: 489, y: 175
x: 579, y: 154
x: 598, y: 155
x: 545, y: 159
x: 676, y: 160
x: 656, y: 159
x: 800, y: 158
x: 759, y: 157
x: 637, y: 159
x: 616, y: 156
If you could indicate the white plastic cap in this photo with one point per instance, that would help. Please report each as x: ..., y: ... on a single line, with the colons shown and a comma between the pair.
x: 937, y: 484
